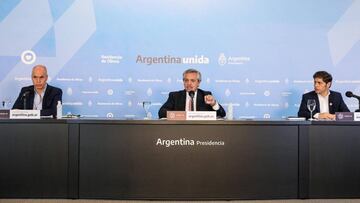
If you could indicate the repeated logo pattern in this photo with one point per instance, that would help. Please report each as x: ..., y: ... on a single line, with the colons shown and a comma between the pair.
x: 109, y: 56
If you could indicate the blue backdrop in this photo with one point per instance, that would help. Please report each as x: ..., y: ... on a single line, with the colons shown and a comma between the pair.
x: 110, y: 55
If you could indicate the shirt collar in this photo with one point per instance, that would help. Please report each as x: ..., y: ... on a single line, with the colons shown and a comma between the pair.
x: 187, y: 93
x: 324, y: 96
x: 43, y: 92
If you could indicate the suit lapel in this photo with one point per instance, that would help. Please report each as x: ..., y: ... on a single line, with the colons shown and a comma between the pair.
x: 331, y: 102
x: 47, y: 92
x: 182, y: 100
x: 31, y: 98
x: 199, y: 99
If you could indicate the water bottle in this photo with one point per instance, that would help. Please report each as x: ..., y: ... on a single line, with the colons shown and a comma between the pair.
x: 58, y: 110
x: 230, y: 112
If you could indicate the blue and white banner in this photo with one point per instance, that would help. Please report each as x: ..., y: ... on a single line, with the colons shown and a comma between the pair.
x: 109, y: 56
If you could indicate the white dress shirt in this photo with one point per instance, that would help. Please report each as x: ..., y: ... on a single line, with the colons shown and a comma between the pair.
x: 324, y: 104
x: 38, y: 99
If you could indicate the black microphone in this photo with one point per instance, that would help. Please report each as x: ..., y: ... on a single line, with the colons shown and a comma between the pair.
x: 350, y: 94
x: 192, y: 94
x: 24, y: 96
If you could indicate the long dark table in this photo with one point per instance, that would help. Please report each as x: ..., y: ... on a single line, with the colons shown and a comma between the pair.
x: 333, y: 159
x: 34, y: 159
x: 132, y: 159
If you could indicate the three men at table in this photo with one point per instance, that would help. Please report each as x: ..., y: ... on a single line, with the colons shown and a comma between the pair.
x: 39, y: 96
x: 44, y: 97
x: 191, y: 98
x: 327, y: 102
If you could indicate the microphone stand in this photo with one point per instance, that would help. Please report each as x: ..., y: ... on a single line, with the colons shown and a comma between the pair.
x: 24, y: 104
x: 25, y: 95
x: 350, y: 94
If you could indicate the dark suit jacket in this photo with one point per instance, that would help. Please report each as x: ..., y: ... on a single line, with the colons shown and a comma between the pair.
x: 51, y: 97
x: 176, y: 102
x: 336, y: 104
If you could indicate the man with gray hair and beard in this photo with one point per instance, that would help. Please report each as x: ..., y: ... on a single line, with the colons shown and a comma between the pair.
x: 191, y: 98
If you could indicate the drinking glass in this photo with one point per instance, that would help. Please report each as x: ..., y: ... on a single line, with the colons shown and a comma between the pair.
x: 311, y: 104
x: 146, y: 106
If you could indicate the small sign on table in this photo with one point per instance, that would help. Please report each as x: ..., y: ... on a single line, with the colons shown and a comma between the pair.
x: 24, y: 114
x: 191, y: 115
x: 347, y: 116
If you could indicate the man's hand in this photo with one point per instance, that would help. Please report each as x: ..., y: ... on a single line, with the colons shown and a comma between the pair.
x: 209, y: 99
x: 327, y: 116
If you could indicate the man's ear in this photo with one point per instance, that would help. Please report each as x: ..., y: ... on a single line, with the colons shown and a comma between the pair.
x: 328, y: 85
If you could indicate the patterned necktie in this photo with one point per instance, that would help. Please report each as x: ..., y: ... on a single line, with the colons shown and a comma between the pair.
x: 191, y: 103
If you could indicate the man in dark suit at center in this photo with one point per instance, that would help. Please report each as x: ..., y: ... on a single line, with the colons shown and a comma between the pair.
x: 191, y: 98
x: 39, y: 96
x: 327, y: 102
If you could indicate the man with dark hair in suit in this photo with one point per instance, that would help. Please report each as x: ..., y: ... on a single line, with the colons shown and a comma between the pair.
x: 327, y: 102
x: 197, y: 100
x: 40, y: 95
